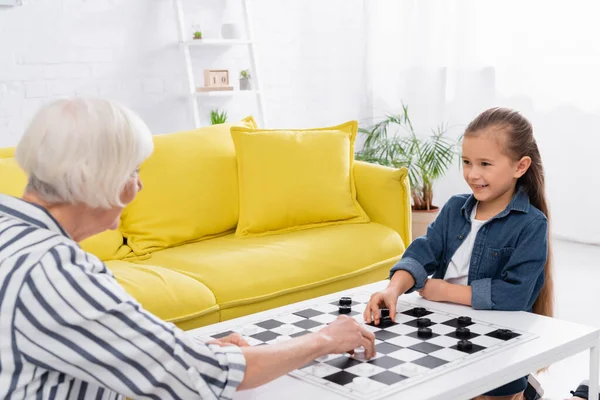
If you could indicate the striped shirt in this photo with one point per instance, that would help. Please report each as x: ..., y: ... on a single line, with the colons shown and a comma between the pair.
x: 68, y: 330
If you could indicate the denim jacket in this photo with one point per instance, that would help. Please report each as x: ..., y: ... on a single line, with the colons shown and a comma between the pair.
x: 507, y: 263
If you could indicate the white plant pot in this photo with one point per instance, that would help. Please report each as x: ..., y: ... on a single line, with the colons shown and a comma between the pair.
x: 421, y: 220
x: 245, y: 84
x: 230, y: 31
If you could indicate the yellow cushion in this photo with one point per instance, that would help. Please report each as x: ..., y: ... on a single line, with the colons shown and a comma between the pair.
x: 107, y: 245
x: 296, y: 179
x: 190, y: 190
x: 252, y: 274
x: 7, y: 152
x: 12, y: 178
x: 170, y: 296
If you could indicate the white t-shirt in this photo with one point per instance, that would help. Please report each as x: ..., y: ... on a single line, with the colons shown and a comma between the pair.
x: 458, y: 269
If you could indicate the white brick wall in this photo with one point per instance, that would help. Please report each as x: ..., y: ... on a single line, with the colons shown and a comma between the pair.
x: 311, y: 59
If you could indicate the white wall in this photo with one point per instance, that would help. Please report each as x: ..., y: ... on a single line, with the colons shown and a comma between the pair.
x: 326, y: 62
x: 451, y: 59
x: 310, y: 55
x: 117, y: 49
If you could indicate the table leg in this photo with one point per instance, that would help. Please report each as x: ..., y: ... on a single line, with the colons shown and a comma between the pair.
x: 594, y: 366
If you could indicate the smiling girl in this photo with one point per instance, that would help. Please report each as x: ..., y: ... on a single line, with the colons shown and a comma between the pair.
x: 488, y: 249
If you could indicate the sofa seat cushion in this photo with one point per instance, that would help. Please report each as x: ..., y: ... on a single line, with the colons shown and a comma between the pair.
x: 167, y: 294
x: 242, y: 272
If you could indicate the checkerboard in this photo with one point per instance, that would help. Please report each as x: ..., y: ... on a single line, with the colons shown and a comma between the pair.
x: 403, y: 357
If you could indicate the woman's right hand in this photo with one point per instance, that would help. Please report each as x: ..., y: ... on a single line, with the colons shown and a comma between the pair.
x: 386, y: 298
x: 345, y: 334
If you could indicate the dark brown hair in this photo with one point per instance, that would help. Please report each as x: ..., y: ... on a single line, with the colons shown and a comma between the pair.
x: 519, y: 142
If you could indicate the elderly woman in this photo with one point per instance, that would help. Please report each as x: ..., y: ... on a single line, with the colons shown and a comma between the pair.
x: 67, y: 329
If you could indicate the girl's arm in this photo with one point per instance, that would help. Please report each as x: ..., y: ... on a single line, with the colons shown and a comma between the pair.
x: 459, y: 294
x: 440, y: 290
x: 517, y: 287
x: 425, y: 254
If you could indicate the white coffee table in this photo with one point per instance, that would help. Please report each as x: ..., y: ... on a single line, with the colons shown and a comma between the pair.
x: 556, y: 340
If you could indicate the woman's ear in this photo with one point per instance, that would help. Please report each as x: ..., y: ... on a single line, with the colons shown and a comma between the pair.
x: 522, y: 166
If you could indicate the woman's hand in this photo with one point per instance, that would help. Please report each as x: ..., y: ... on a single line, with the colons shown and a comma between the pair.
x: 345, y: 334
x: 265, y: 363
x: 234, y: 339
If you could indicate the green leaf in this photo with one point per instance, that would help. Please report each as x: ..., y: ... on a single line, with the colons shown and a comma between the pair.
x: 393, y: 141
x: 217, y: 117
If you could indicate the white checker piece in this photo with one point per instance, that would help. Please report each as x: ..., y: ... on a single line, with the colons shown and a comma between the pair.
x: 368, y: 387
x: 248, y: 330
x: 287, y: 329
x: 321, y: 370
x: 409, y: 369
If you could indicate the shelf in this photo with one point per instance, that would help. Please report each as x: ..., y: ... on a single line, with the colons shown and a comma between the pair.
x: 226, y: 93
x: 216, y: 42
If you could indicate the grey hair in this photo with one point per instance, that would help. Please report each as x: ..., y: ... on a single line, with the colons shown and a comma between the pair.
x: 83, y: 150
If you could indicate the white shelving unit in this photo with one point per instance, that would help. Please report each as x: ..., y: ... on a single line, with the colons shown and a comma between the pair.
x: 228, y: 93
x: 185, y: 44
x: 215, y: 42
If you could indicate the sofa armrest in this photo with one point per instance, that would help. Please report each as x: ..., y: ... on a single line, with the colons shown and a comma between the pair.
x: 384, y: 194
x: 7, y: 152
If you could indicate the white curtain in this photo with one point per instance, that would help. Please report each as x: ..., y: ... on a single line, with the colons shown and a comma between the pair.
x: 448, y: 60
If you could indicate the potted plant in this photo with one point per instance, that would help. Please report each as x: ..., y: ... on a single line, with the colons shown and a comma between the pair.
x: 427, y: 159
x: 217, y: 117
x: 197, y: 35
x: 245, y: 80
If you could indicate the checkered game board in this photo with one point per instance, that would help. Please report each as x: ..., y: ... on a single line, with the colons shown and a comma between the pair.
x: 404, y: 358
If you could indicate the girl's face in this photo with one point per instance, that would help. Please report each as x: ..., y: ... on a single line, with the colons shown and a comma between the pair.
x: 487, y: 169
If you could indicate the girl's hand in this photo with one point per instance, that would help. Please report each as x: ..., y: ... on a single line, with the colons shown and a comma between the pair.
x: 435, y: 290
x: 386, y: 298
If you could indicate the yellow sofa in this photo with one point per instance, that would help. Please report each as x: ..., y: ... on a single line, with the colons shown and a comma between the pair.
x: 177, y: 253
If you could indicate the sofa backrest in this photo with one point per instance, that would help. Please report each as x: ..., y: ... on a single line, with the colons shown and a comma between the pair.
x: 190, y: 193
x: 107, y: 245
